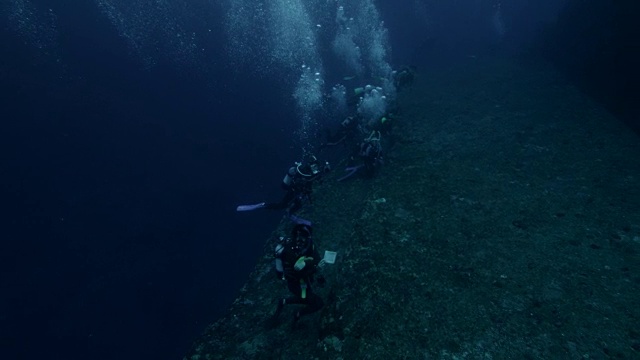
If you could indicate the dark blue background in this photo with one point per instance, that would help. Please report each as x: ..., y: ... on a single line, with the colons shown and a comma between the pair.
x: 120, y: 186
x: 119, y: 182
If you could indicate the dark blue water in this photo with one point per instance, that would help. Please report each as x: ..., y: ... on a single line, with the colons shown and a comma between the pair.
x: 121, y: 186
x: 119, y: 178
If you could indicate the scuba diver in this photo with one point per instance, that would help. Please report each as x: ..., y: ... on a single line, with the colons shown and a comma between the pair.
x: 385, y: 123
x: 345, y: 134
x: 297, y: 183
x: 404, y: 77
x: 297, y: 262
x: 370, y: 153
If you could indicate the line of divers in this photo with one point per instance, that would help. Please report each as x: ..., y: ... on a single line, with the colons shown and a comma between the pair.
x: 297, y: 260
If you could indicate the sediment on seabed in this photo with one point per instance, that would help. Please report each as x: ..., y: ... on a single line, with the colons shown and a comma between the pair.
x: 505, y: 224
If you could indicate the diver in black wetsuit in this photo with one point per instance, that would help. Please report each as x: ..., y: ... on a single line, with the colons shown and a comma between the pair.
x: 370, y: 154
x: 297, y: 262
x: 297, y: 183
x: 347, y: 132
x: 404, y: 77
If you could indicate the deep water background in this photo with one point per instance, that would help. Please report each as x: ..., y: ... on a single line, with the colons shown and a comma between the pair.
x: 121, y: 239
x: 119, y: 180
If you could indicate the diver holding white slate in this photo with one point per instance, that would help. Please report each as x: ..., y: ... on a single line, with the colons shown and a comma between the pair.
x: 297, y: 262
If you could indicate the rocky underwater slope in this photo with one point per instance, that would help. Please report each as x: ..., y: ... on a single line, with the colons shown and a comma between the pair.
x: 505, y: 224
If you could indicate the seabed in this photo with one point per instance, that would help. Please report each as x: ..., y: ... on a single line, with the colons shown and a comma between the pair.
x: 505, y: 224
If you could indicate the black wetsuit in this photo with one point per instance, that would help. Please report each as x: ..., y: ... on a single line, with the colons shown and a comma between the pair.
x: 299, y: 281
x: 347, y: 133
x: 297, y: 190
x: 371, y: 155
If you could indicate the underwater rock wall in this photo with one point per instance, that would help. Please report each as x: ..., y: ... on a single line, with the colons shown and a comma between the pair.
x: 505, y: 224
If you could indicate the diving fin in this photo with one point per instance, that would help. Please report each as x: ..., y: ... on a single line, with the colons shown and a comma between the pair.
x: 250, y: 207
